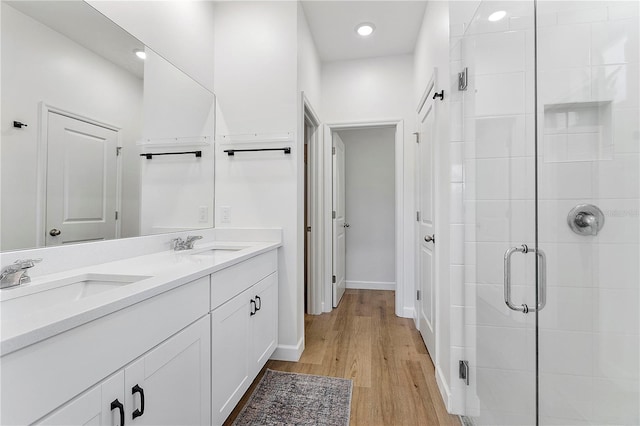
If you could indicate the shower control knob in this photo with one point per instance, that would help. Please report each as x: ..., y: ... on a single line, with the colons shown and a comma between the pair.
x: 55, y: 232
x: 585, y: 219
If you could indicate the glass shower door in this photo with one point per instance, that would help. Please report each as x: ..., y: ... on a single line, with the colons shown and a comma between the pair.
x: 588, y: 211
x: 497, y: 49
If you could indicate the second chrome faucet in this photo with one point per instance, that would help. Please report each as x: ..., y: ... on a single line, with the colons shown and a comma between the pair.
x: 187, y: 244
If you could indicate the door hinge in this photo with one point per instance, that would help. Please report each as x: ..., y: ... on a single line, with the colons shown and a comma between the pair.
x: 118, y: 150
x: 333, y: 279
x: 333, y: 214
x: 308, y: 229
x: 333, y: 150
x: 418, y: 216
x: 417, y: 294
x: 463, y: 371
x: 116, y: 215
x: 417, y: 136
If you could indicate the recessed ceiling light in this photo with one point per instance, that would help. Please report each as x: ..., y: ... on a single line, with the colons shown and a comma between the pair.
x: 365, y: 29
x: 140, y: 54
x: 496, y: 16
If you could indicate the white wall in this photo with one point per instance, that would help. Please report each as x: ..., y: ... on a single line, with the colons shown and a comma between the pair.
x: 309, y: 65
x: 370, y: 207
x: 432, y: 52
x: 180, y: 31
x: 42, y: 65
x: 256, y: 90
x: 176, y: 191
x: 379, y: 89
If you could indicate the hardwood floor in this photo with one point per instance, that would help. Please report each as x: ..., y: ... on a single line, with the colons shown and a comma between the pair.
x: 393, y: 377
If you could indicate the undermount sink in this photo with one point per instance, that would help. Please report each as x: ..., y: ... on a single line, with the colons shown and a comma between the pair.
x: 219, y: 251
x: 24, y: 300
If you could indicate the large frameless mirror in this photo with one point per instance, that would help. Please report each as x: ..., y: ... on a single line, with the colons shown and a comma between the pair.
x: 102, y: 138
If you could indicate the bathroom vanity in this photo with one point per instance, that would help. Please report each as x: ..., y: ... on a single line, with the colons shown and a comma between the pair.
x: 170, y: 337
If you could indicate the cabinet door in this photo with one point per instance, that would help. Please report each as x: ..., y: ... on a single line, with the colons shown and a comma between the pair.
x: 92, y: 407
x: 264, y: 324
x: 230, y: 355
x: 173, y: 380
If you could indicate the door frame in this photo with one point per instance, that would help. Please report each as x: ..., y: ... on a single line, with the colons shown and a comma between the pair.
x: 327, y: 177
x: 41, y: 173
x: 316, y: 207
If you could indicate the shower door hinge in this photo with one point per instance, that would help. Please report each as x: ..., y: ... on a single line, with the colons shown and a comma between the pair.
x: 417, y: 294
x: 463, y: 370
x: 333, y: 279
x: 333, y: 214
x: 116, y: 215
x: 333, y: 150
x: 118, y: 149
x: 418, y: 216
x: 462, y: 79
x: 417, y: 136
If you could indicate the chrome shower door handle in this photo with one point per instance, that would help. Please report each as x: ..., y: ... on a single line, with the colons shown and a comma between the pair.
x: 507, y: 278
x: 541, y: 264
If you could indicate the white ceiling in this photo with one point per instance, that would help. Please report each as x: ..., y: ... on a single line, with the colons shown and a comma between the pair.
x: 333, y: 23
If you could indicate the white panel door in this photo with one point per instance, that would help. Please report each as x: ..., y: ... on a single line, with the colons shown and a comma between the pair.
x: 426, y: 237
x: 171, y: 385
x: 81, y: 181
x: 339, y: 235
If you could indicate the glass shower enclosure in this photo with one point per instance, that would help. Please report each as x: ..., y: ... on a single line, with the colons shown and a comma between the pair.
x: 552, y: 211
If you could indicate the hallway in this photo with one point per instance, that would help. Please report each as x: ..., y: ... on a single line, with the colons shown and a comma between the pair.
x: 393, y: 376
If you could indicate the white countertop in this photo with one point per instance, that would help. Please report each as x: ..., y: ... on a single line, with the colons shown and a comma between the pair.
x: 167, y: 270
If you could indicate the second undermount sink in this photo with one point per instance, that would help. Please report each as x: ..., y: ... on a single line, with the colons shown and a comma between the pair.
x: 219, y: 251
x: 24, y: 300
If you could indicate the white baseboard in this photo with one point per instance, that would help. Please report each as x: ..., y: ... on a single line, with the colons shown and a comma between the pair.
x: 289, y: 352
x: 443, y: 387
x: 408, y: 312
x: 371, y: 285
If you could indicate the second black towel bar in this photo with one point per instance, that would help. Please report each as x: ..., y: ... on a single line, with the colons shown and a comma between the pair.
x: 230, y: 152
x: 150, y: 155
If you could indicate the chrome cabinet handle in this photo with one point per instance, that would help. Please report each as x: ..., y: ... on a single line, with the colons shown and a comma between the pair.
x: 430, y: 238
x: 55, y: 232
x: 346, y: 225
x: 542, y: 278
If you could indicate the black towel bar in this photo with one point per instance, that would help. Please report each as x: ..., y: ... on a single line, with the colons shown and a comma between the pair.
x: 150, y: 155
x: 230, y: 152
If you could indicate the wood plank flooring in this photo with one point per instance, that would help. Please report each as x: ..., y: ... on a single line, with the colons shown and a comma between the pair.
x: 393, y: 377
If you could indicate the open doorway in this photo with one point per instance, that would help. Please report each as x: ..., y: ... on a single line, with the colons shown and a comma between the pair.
x: 370, y: 242
x: 360, y: 255
x: 312, y: 206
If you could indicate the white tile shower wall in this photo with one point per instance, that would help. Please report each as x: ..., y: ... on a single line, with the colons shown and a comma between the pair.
x: 589, y: 330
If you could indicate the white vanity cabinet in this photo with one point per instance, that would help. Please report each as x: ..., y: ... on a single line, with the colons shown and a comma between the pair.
x: 244, y: 329
x: 169, y: 353
x: 167, y: 386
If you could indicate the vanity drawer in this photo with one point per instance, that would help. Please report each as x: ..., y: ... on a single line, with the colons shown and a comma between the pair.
x: 235, y: 279
x: 39, y: 378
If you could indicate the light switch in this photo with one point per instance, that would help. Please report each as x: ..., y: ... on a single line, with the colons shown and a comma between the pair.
x: 203, y: 214
x: 225, y: 214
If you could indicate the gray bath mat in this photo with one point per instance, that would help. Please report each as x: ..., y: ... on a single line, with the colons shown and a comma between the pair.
x: 297, y: 399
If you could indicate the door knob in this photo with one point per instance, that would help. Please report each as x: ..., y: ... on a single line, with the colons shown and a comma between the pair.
x: 346, y: 225
x: 55, y: 232
x: 430, y: 238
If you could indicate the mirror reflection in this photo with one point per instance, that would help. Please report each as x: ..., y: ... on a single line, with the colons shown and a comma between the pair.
x: 83, y: 104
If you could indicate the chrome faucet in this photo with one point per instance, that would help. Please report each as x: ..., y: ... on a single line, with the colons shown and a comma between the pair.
x: 187, y: 244
x: 16, y: 274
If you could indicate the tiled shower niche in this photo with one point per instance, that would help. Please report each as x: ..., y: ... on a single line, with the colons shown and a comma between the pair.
x: 579, y: 131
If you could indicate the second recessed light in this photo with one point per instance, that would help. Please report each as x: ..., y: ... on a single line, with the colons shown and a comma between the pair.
x: 365, y: 29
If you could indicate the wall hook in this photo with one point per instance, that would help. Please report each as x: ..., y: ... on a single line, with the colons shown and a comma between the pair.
x: 439, y: 95
x: 19, y: 125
